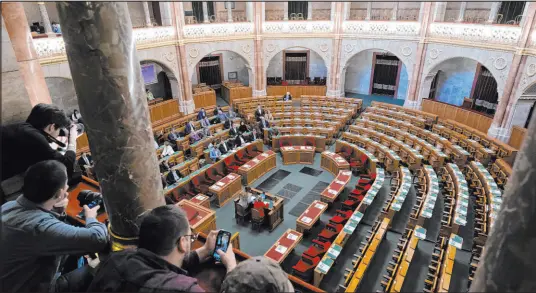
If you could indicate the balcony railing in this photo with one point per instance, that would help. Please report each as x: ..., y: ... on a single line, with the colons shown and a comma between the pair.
x: 297, y: 27
x: 54, y: 47
x: 209, y: 30
x: 476, y: 33
x: 376, y: 28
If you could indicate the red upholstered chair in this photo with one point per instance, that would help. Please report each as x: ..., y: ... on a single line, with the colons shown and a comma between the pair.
x: 240, y: 158
x: 199, y: 186
x: 358, y: 164
x: 284, y: 142
x: 213, y: 175
x: 366, y: 179
x: 346, y: 153
x: 305, y: 267
x: 318, y: 248
x: 190, y: 190
x: 330, y: 232
x: 350, y: 204
x: 359, y: 190
x: 341, y: 217
x: 231, y: 165
x: 208, y: 179
x: 310, y: 141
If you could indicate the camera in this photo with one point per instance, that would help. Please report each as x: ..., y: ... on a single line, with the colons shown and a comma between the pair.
x: 79, y: 130
x: 90, y: 198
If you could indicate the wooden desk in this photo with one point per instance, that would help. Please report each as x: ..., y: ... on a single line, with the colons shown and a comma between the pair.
x: 257, y: 167
x: 201, y: 200
x: 226, y: 188
x: 319, y: 142
x: 231, y: 92
x: 284, y: 245
x: 333, y: 163
x: 205, y: 99
x: 276, y: 213
x: 310, y: 216
x: 336, y: 187
x: 296, y: 90
x: 298, y: 154
x: 200, y: 218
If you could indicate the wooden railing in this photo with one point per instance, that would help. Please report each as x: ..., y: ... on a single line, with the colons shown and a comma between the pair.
x: 164, y: 112
x: 464, y: 116
x: 517, y: 137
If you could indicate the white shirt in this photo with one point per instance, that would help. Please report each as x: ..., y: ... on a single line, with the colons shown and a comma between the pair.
x: 242, y: 140
x: 225, y: 146
x: 175, y: 175
x: 168, y: 150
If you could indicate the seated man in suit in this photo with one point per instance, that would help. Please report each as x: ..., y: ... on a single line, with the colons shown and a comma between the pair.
x: 205, y: 122
x: 287, y: 97
x: 201, y: 114
x: 239, y: 141
x: 227, y: 124
x: 253, y: 136
x: 164, y: 166
x: 243, y: 128
x: 173, y: 136
x: 86, y: 164
x: 172, y: 177
x: 225, y: 146
x: 231, y: 113
x: 214, y: 153
x: 259, y: 112
x: 168, y: 150
x: 196, y: 136
x: 189, y: 127
x: 263, y: 124
x: 233, y: 130
x: 222, y: 116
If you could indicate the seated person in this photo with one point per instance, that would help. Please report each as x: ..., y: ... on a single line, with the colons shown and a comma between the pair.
x: 76, y: 117
x: 227, y: 124
x: 246, y: 198
x: 231, y: 113
x: 167, y: 151
x: 253, y: 136
x: 164, y: 183
x: 164, y: 166
x: 259, y: 205
x: 201, y: 114
x: 189, y: 127
x: 205, y: 123
x: 163, y: 256
x: 222, y: 117
x: 196, y: 136
x: 264, y: 124
x: 35, y: 239
x: 243, y: 128
x: 172, y: 177
x: 214, y: 153
x: 233, y: 130
x: 269, y: 116
x: 149, y: 95
x: 287, y: 97
x: 216, y: 110
x: 173, y: 135
x: 225, y: 146
x: 259, y: 112
x: 239, y: 141
x: 86, y: 163
x: 257, y: 274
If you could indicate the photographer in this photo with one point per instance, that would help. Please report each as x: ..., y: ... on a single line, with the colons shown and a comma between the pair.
x: 24, y: 144
x: 35, y: 240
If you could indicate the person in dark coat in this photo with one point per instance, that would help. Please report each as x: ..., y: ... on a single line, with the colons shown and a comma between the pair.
x: 259, y: 113
x: 162, y: 259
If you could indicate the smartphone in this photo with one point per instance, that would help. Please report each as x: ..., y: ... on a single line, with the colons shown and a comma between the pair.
x: 222, y: 242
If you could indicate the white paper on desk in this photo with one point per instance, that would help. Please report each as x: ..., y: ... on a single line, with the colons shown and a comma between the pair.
x: 340, y: 160
x: 323, y: 267
x: 281, y: 249
x: 339, y: 182
x: 200, y: 197
x: 220, y: 184
x: 346, y: 173
x: 231, y: 176
x: 247, y: 166
x: 216, y: 187
x: 332, y: 191
x: 255, y: 160
x: 306, y: 219
x: 319, y: 206
x: 264, y: 155
x: 290, y: 148
x: 292, y: 236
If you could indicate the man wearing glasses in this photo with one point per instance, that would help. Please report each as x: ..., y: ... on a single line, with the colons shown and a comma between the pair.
x: 162, y: 259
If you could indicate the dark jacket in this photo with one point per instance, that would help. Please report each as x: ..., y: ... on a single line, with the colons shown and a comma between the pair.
x: 24, y: 145
x: 237, y: 141
x: 170, y: 179
x: 201, y: 115
x: 233, y: 131
x: 261, y: 127
x: 243, y: 128
x: 258, y: 115
x: 143, y: 271
x: 188, y: 129
x: 222, y: 148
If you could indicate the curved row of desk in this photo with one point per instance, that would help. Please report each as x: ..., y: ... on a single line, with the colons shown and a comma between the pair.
x: 402, y: 184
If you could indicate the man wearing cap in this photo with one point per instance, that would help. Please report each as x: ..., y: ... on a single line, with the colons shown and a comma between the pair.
x: 257, y: 274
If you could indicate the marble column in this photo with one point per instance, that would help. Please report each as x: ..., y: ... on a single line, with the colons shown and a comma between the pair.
x: 205, y: 12
x: 347, y: 10
x: 27, y: 59
x: 421, y: 12
x: 509, y: 260
x: 186, y: 103
x: 439, y: 11
x: 166, y: 13
x: 412, y: 98
x: 148, y: 22
x: 394, y: 14
x: 461, y: 14
x: 260, y: 79
x: 493, y: 12
x: 249, y: 10
x: 285, y: 10
x: 99, y: 43
x: 334, y: 74
x: 499, y: 126
x: 229, y: 12
x: 46, y: 20
x: 310, y: 10
x: 369, y: 11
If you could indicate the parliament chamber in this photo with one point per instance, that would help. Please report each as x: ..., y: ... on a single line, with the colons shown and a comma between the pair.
x: 359, y: 158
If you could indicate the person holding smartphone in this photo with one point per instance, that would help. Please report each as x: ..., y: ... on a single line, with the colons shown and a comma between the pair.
x: 163, y: 257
